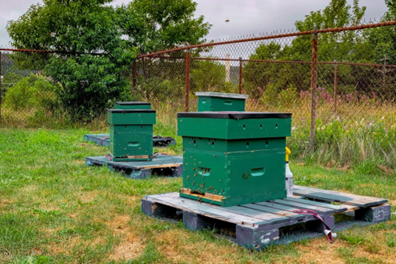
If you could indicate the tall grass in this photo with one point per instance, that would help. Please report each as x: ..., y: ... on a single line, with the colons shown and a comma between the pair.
x: 357, y: 133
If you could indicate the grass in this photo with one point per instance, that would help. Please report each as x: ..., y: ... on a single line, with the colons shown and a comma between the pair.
x: 55, y: 209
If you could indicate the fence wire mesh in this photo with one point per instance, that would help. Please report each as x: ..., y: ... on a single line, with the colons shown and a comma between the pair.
x: 355, y: 71
x: 347, y: 83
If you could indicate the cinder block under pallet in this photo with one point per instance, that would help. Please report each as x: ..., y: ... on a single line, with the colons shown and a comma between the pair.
x: 258, y: 225
x: 161, y: 165
x: 104, y: 140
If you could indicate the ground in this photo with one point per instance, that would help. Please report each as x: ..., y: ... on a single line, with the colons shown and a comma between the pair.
x: 55, y: 209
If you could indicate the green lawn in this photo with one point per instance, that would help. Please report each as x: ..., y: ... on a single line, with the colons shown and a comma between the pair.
x: 55, y: 209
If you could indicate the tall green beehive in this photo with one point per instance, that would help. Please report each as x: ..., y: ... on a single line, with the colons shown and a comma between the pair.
x: 212, y: 101
x: 132, y: 105
x: 234, y: 158
x: 131, y: 134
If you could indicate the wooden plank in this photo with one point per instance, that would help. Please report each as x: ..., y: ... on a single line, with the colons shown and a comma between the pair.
x: 241, y: 211
x: 334, y: 196
x: 161, y: 166
x: 273, y: 210
x: 161, y: 161
x: 337, y: 208
x: 289, y: 207
x: 297, y: 205
x: 209, y: 196
x: 175, y: 201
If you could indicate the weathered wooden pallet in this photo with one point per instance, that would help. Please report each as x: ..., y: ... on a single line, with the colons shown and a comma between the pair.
x: 161, y: 165
x: 258, y: 225
x: 104, y: 140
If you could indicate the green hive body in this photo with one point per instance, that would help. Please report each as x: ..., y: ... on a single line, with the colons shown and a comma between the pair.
x: 132, y: 105
x: 234, y: 158
x: 212, y: 101
x: 131, y: 134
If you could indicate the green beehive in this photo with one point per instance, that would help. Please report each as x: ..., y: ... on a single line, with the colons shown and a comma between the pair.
x: 234, y: 158
x: 131, y: 134
x: 212, y: 101
x: 132, y: 105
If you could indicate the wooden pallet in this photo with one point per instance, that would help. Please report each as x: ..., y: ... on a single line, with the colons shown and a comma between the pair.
x: 104, y: 140
x: 258, y: 225
x: 161, y: 165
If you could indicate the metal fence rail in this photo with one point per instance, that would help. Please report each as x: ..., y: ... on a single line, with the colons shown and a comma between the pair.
x: 319, y: 75
x: 322, y: 84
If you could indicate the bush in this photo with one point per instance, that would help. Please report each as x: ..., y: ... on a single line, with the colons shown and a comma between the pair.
x: 33, y: 92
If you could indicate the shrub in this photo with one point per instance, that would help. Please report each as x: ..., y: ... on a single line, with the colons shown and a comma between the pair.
x: 33, y: 92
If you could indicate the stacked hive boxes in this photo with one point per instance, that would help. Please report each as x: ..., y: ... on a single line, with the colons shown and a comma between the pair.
x: 233, y: 158
x: 131, y: 131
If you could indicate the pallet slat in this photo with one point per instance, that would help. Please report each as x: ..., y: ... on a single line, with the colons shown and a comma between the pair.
x: 331, y: 206
x: 164, y: 165
x: 104, y: 140
x: 298, y: 205
x: 334, y: 196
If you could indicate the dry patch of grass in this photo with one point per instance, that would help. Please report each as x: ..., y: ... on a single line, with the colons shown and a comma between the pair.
x: 131, y: 245
x: 175, y: 246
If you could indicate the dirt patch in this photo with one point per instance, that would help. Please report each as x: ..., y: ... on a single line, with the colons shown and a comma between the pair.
x: 79, y: 161
x: 131, y: 245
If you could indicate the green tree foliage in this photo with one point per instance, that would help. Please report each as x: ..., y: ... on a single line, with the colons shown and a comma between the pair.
x: 347, y: 46
x: 91, y: 83
x: 88, y: 81
x: 162, y: 24
x: 33, y: 92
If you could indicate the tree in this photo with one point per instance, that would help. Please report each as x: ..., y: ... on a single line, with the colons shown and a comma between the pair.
x: 91, y: 83
x: 163, y: 24
x: 344, y: 46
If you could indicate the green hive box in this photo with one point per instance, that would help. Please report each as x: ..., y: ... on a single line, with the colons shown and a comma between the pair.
x: 132, y: 105
x: 131, y: 134
x: 234, y: 158
x: 212, y: 101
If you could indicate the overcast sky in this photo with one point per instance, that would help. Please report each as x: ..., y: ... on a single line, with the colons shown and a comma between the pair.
x: 245, y: 16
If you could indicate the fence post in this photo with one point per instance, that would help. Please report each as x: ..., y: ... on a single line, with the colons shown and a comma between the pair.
x: 314, y: 74
x: 335, y: 85
x: 187, y: 80
x: 240, y: 75
x: 134, y: 73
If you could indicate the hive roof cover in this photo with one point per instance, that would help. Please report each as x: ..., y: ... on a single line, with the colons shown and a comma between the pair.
x: 132, y: 103
x: 130, y: 110
x: 222, y: 95
x: 234, y: 115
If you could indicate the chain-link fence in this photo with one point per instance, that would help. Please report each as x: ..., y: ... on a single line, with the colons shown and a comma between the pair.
x: 349, y: 71
x: 30, y: 97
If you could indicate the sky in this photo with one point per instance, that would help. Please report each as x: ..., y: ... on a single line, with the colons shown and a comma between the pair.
x: 245, y: 16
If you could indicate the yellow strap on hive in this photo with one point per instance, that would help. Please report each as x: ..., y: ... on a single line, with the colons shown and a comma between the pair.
x: 287, y: 154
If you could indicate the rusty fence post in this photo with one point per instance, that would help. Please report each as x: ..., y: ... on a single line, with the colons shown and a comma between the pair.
x: 188, y: 59
x: 134, y: 73
x: 314, y: 74
x: 240, y: 75
x: 335, y: 85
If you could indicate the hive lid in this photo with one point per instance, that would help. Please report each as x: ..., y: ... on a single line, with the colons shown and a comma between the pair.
x: 222, y: 95
x: 116, y: 111
x: 234, y: 115
x: 132, y: 103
